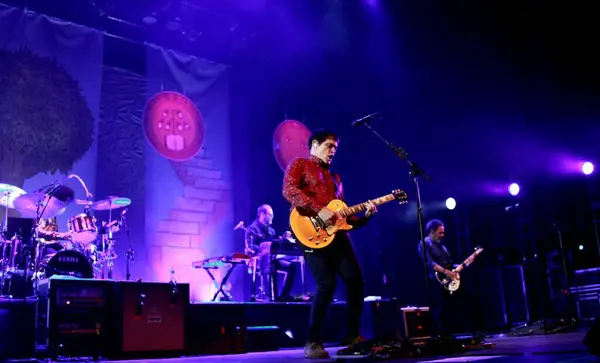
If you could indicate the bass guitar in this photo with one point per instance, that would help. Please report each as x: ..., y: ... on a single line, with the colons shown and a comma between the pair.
x: 313, y: 233
x: 453, y: 284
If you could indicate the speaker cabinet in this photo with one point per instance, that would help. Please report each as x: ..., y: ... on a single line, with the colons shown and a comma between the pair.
x: 17, y: 328
x: 153, y: 317
x: 74, y: 316
x: 112, y: 319
x: 592, y: 338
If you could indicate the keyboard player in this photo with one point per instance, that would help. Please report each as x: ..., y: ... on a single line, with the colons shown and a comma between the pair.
x: 258, y: 233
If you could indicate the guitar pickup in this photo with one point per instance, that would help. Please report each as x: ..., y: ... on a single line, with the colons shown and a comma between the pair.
x: 317, y: 223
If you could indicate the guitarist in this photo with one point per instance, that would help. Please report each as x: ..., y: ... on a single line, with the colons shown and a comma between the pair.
x: 439, y: 260
x: 309, y: 185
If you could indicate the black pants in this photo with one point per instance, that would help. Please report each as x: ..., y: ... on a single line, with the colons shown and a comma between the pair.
x: 336, y: 259
x: 289, y: 268
x: 452, y: 313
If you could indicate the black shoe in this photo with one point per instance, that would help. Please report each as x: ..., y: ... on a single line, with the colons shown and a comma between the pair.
x: 356, y: 347
x: 350, y: 341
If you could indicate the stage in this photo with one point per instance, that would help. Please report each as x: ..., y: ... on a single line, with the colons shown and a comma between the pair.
x: 168, y: 329
x: 554, y: 348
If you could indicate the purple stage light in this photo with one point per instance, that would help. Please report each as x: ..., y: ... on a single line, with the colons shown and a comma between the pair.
x: 514, y: 189
x: 587, y: 168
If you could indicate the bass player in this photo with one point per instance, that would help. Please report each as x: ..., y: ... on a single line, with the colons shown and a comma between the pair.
x: 309, y: 186
x: 445, y: 305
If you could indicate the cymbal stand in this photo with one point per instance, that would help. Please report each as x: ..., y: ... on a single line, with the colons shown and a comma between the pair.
x: 4, y: 243
x: 105, y: 246
x: 37, y: 245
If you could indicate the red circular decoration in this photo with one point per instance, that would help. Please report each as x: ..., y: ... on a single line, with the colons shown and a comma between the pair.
x: 290, y: 141
x: 173, y: 126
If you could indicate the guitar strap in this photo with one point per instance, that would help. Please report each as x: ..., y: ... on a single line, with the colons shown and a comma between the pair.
x: 336, y: 183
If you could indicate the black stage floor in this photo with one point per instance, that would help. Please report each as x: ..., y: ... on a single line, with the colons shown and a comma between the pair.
x: 207, y: 322
x: 555, y: 348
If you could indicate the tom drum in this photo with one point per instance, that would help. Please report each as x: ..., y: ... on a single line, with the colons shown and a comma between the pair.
x: 83, y: 228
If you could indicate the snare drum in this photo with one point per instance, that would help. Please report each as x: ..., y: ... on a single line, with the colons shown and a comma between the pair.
x: 83, y: 229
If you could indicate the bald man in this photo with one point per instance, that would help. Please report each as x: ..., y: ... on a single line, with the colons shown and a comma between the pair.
x: 260, y: 231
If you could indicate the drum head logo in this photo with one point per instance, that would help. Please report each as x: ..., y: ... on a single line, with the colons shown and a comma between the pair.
x: 290, y: 141
x: 173, y: 126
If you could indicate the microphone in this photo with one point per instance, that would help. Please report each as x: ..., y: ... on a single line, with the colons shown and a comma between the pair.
x: 123, y: 218
x: 53, y: 189
x: 364, y: 120
x: 239, y: 225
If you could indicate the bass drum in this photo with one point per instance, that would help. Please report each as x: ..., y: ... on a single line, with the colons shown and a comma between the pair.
x: 69, y: 263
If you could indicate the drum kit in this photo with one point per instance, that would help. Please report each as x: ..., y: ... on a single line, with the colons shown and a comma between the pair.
x: 32, y: 249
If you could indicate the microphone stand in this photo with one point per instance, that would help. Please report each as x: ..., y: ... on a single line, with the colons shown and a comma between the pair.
x: 415, y: 172
x: 567, y: 287
x: 130, y: 253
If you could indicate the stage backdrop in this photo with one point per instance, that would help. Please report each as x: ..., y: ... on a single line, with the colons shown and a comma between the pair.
x: 189, y: 213
x: 64, y: 108
x: 50, y: 77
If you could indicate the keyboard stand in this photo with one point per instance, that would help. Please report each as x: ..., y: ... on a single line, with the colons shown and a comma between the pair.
x: 232, y: 265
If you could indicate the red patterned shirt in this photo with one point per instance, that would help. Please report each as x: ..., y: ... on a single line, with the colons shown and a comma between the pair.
x: 309, y: 185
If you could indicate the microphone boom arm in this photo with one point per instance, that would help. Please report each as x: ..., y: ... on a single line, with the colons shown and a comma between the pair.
x: 401, y: 153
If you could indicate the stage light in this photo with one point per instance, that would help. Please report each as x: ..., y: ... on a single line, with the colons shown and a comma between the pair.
x: 514, y: 189
x: 450, y: 203
x: 587, y: 168
x: 581, y: 247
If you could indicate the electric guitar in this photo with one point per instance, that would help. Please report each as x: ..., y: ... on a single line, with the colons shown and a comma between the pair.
x: 313, y: 233
x: 453, y: 284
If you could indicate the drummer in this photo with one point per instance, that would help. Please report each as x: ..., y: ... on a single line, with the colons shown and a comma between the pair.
x: 52, y: 240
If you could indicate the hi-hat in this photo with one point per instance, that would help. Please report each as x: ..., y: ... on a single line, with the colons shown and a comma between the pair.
x: 8, y: 194
x: 39, y: 204
x: 111, y: 202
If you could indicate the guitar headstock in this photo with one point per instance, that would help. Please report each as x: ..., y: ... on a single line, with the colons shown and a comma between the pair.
x: 400, y: 195
x: 478, y: 250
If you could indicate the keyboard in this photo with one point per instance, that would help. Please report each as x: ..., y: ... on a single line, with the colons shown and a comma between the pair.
x: 215, y: 262
x: 282, y: 248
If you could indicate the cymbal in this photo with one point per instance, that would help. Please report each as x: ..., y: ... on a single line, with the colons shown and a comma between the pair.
x: 111, y: 202
x: 49, y: 207
x: 8, y: 194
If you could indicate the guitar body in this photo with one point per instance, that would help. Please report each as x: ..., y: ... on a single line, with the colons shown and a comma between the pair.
x: 447, y: 283
x: 312, y: 232
x: 452, y: 284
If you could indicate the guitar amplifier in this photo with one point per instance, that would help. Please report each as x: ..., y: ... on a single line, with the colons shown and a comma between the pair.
x: 151, y: 319
x: 74, y: 316
x: 416, y: 321
x: 100, y: 318
x: 389, y: 320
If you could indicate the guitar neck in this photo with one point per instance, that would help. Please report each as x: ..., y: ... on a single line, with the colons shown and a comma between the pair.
x: 464, y: 264
x: 363, y: 206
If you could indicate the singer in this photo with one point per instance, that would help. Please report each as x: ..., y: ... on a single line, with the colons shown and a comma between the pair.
x: 309, y: 184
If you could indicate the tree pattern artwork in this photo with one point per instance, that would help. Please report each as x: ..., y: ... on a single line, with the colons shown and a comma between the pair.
x: 45, y: 122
